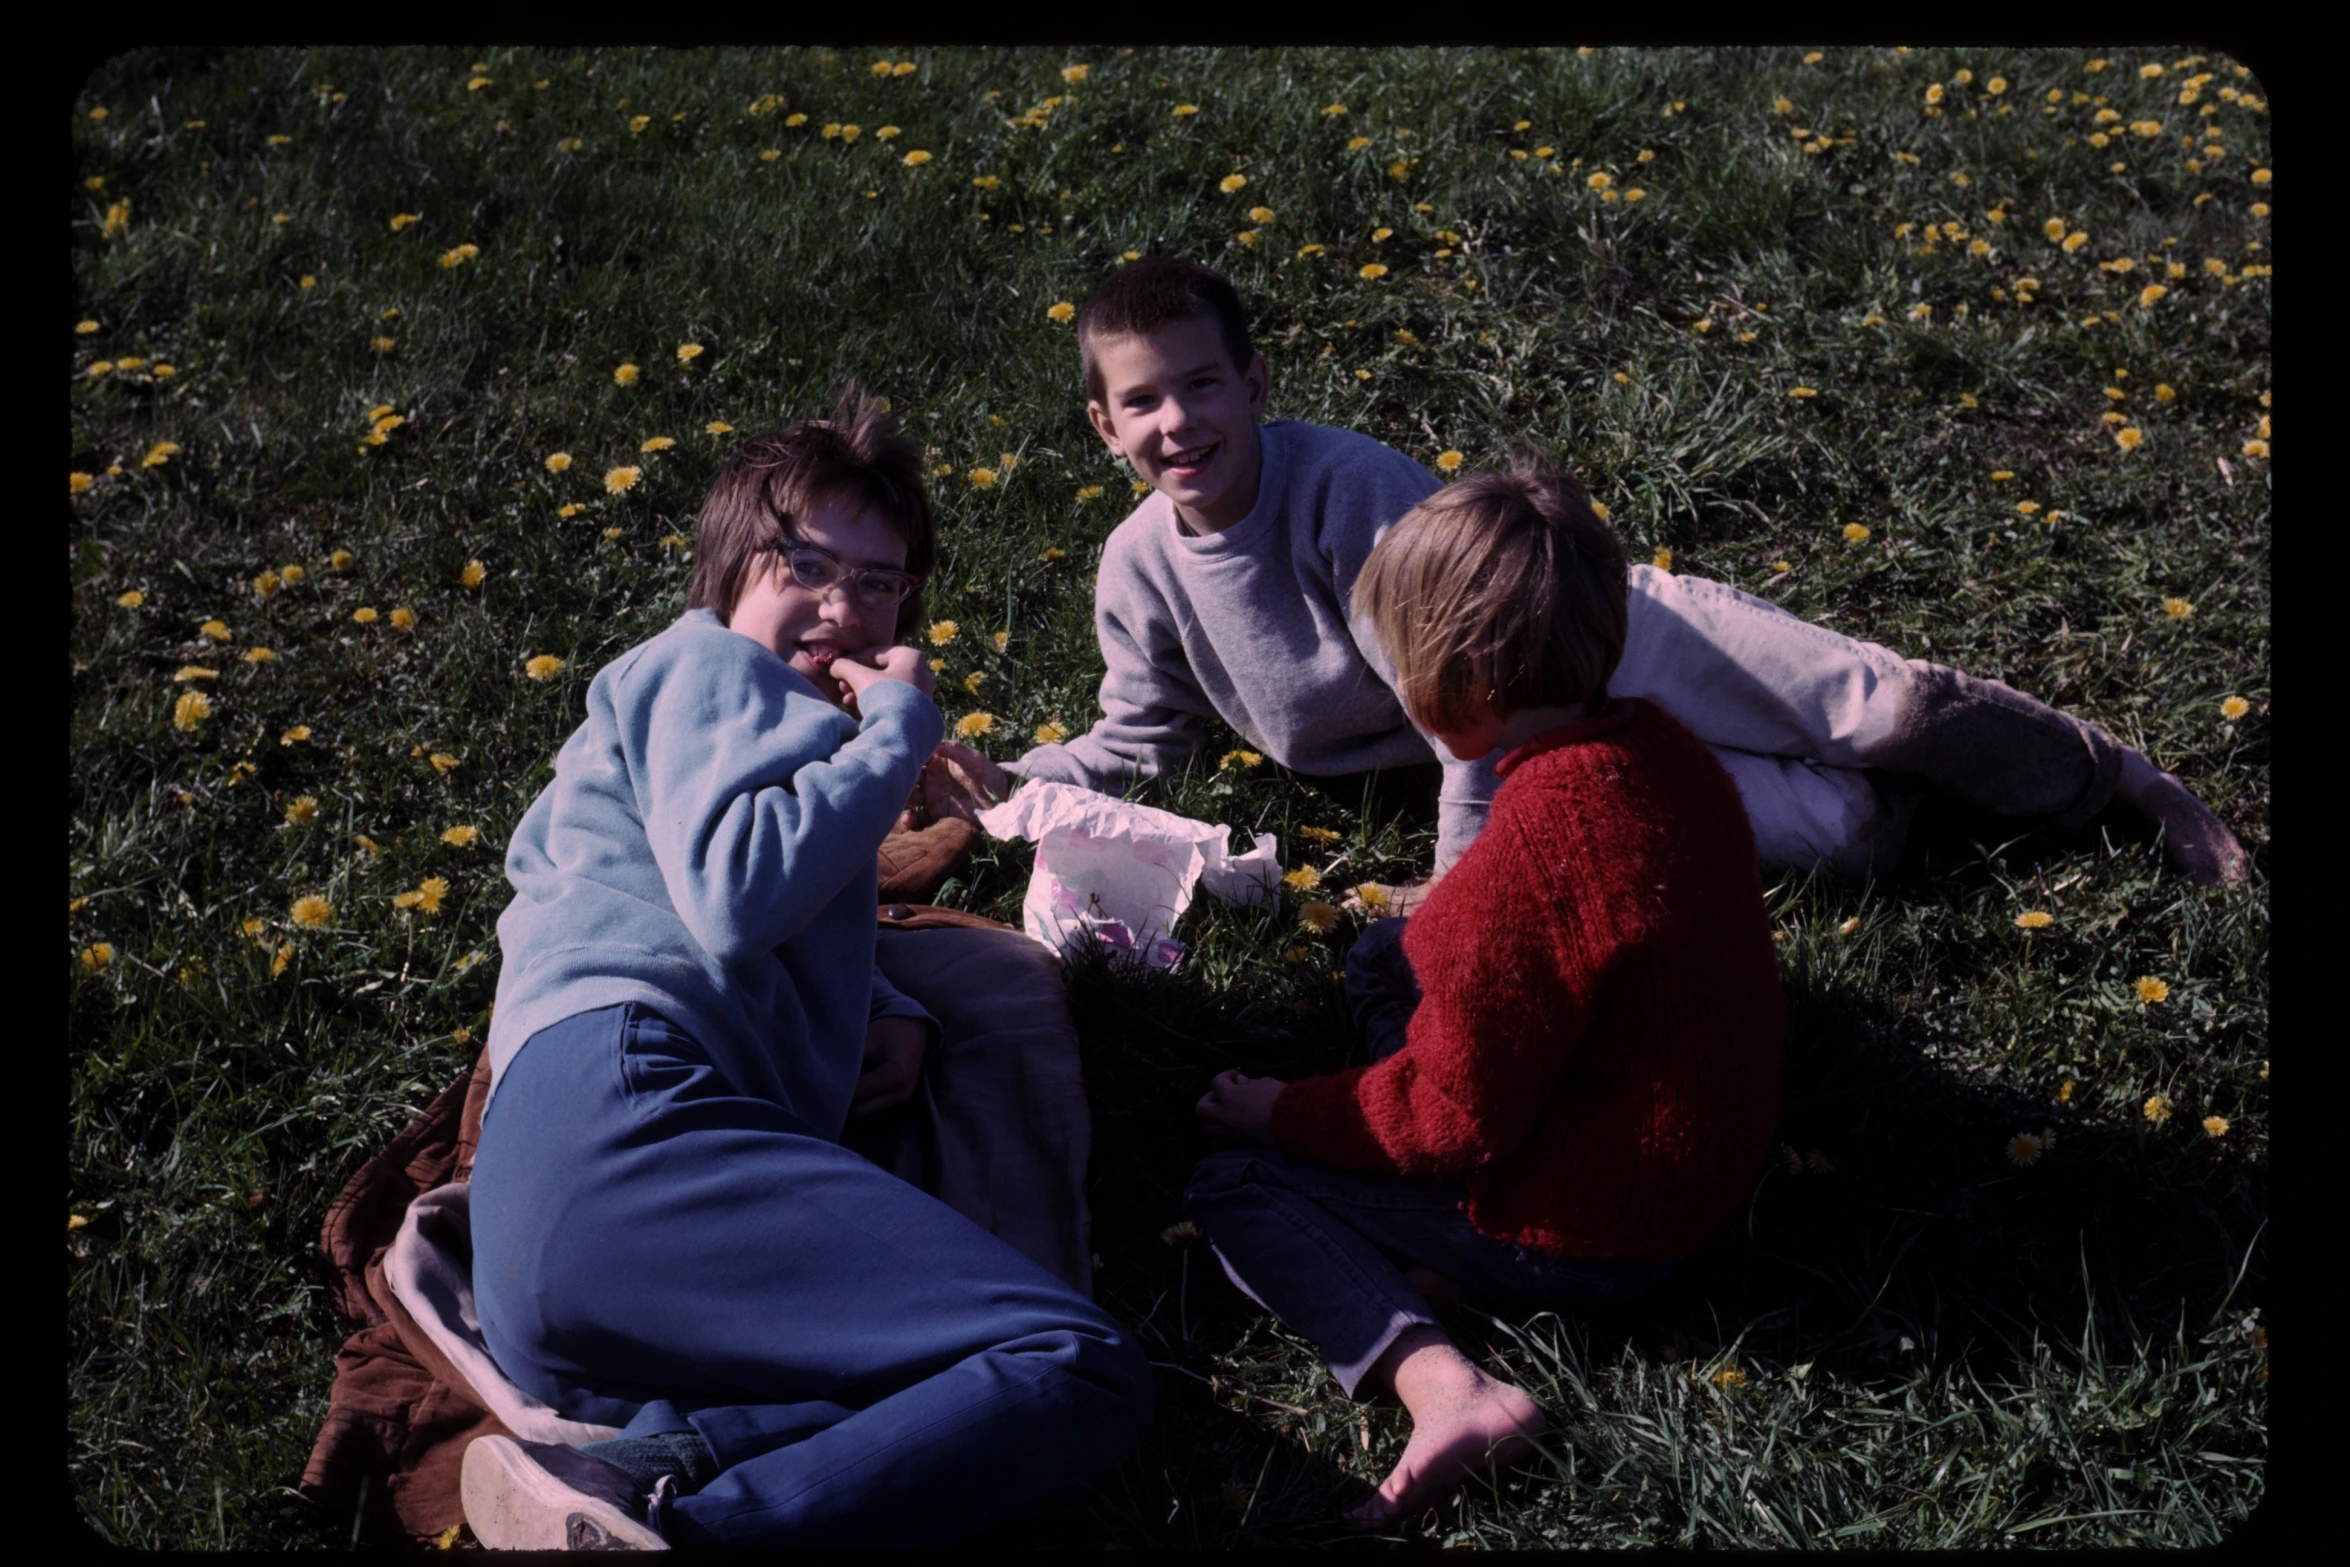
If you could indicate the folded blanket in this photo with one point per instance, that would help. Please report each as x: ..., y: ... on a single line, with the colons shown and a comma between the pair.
x: 998, y: 1130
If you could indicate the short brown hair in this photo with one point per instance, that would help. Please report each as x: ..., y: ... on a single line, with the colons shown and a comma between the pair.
x: 1152, y: 294
x: 855, y: 455
x: 1504, y: 588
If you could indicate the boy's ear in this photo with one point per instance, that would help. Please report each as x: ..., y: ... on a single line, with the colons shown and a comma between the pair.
x: 1099, y: 417
x: 1258, y: 378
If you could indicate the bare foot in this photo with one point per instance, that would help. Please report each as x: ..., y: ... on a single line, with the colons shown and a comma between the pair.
x: 1462, y: 1422
x: 2196, y: 843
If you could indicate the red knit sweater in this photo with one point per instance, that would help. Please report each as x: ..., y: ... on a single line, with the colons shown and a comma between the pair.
x: 1597, y: 1052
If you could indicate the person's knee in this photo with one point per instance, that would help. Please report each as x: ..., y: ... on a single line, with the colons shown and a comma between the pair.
x: 1218, y: 1176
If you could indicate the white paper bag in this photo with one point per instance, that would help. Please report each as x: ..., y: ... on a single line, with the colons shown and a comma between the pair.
x: 1117, y: 874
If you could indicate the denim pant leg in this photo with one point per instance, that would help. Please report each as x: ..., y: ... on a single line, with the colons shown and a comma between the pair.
x: 1381, y: 990
x: 1323, y: 1250
x: 654, y: 1250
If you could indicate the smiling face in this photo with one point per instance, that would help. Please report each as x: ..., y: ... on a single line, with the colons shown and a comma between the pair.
x: 809, y: 630
x: 1174, y: 406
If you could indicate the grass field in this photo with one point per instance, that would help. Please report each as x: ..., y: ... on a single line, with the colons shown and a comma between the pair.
x: 1963, y: 352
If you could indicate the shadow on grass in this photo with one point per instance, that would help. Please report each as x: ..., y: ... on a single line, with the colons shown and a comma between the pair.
x: 1893, y: 1238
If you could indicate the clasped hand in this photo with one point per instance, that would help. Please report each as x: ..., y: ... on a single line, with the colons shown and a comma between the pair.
x: 1239, y: 1107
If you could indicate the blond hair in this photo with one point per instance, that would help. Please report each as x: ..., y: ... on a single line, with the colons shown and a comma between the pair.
x: 855, y: 455
x: 1504, y: 590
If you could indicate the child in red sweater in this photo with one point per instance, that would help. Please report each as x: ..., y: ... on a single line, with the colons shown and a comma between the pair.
x: 1589, y: 1082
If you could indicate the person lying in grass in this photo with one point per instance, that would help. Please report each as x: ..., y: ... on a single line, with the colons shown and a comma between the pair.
x: 1225, y: 594
x: 800, y: 1349
x: 1589, y: 1083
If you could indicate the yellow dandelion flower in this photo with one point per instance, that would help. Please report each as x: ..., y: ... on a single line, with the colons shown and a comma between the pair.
x: 717, y: 427
x: 303, y: 811
x: 258, y: 655
x: 543, y: 668
x: 1183, y: 110
x: 312, y: 911
x: 1373, y: 271
x: 625, y: 375
x: 79, y: 483
x: 1244, y: 758
x: 97, y: 955
x: 1662, y: 560
x: 942, y: 632
x: 1063, y: 311
x: 404, y: 618
x: 2128, y: 437
x: 915, y: 159
x: 1729, y: 1377
x: 1231, y: 182
x: 443, y: 762
x: 983, y: 478
x: 131, y: 600
x: 557, y: 462
x: 2156, y: 1109
x: 191, y: 709
x: 974, y: 680
x: 460, y: 255
x: 1073, y: 74
x: 2215, y: 1126
x: 2263, y: 176
x: 1782, y: 566
x: 1358, y: 144
x: 1599, y: 510
x: 2149, y: 294
x: 159, y: 454
x: 2151, y: 990
x: 196, y: 672
x: 1856, y: 532
x: 2233, y: 708
x: 1304, y: 879
x: 1803, y: 391
x: 1051, y: 734
x: 619, y: 481
x: 1373, y: 896
x: 2256, y: 448
x: 429, y: 894
x: 610, y: 534
x: 1331, y: 111
x: 2075, y: 240
x: 972, y: 725
x: 266, y: 585
x: 1601, y: 180
x: 2178, y: 609
x: 340, y: 560
x: 1260, y: 214
x: 1002, y: 639
x: 658, y: 443
x: 1448, y: 461
x: 2035, y: 919
x: 1320, y: 918
x: 2024, y: 1150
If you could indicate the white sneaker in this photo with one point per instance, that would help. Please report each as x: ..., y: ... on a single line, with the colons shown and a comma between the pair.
x: 543, y: 1496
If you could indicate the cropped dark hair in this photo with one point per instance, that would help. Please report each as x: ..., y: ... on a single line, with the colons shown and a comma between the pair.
x: 1505, y: 590
x: 1152, y: 294
x: 855, y: 455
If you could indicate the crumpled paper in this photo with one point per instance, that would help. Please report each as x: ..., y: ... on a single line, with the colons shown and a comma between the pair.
x: 1115, y: 874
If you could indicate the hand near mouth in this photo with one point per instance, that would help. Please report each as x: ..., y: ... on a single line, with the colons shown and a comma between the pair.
x: 858, y: 671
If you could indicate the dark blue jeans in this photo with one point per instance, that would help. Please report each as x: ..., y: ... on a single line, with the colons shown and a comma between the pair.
x: 1324, y: 1249
x: 656, y: 1251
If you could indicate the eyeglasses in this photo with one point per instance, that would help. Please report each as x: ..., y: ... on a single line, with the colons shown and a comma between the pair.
x: 817, y: 569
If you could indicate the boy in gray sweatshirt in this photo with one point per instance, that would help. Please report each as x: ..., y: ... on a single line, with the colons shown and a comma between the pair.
x: 1225, y: 594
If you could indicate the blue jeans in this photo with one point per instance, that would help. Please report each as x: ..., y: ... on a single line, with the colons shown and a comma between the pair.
x: 655, y: 1250
x: 1324, y: 1249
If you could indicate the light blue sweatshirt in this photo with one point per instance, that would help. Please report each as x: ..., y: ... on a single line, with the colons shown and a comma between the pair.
x: 1254, y: 625
x: 707, y: 849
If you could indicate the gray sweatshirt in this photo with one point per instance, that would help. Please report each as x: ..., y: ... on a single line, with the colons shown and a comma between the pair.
x: 1251, y: 625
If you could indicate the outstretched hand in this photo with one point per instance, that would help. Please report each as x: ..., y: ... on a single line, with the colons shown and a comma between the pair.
x: 1240, y: 1108
x: 958, y: 781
